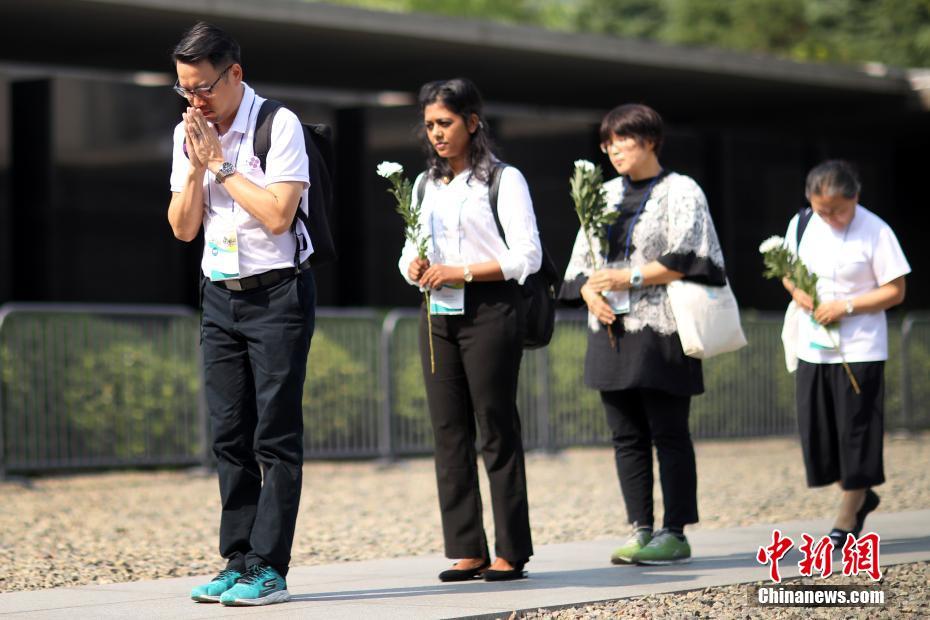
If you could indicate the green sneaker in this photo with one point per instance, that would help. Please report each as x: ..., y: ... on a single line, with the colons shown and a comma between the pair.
x: 664, y: 548
x: 260, y: 585
x: 210, y: 592
x: 625, y: 553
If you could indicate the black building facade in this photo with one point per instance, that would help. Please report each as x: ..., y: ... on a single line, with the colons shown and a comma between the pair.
x: 86, y: 116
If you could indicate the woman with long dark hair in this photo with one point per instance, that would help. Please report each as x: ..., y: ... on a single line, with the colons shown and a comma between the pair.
x: 473, y: 273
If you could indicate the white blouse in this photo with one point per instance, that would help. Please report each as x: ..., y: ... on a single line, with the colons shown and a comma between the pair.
x: 849, y: 263
x: 458, y: 219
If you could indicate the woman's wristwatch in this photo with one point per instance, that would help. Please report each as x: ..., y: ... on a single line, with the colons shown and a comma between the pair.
x: 849, y: 307
x: 636, y: 278
x: 467, y: 275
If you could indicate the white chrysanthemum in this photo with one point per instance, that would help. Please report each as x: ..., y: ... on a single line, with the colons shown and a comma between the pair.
x: 584, y: 165
x: 772, y: 243
x: 387, y: 169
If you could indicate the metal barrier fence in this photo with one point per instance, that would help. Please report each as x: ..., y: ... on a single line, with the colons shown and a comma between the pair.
x: 98, y: 386
x: 108, y: 386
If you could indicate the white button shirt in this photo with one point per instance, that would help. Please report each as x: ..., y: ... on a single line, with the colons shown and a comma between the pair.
x: 849, y: 263
x: 457, y: 216
x: 259, y: 249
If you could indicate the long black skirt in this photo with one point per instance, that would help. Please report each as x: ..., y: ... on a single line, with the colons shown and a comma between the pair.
x: 841, y: 431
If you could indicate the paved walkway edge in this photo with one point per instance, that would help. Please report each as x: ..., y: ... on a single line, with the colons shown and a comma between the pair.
x: 561, y: 576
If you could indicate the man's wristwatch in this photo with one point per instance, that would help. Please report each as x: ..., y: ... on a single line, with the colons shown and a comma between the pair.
x: 225, y: 171
x: 468, y: 275
x: 636, y: 278
x: 849, y: 307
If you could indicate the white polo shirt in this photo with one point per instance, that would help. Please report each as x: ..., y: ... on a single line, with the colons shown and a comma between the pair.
x: 458, y: 219
x: 259, y: 249
x: 848, y: 263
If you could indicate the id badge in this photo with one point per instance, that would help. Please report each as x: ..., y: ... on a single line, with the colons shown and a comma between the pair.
x: 223, y: 252
x: 448, y: 299
x: 619, y: 301
x: 824, y: 337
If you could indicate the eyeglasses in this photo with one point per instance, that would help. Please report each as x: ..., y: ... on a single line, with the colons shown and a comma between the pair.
x: 619, y: 144
x: 204, y: 92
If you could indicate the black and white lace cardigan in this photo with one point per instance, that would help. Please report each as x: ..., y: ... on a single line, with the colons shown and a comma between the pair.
x: 675, y: 228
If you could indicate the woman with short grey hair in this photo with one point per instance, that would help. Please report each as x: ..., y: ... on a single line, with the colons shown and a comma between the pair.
x: 860, y: 271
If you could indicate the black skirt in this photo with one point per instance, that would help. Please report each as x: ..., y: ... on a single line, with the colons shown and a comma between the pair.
x: 841, y: 431
x: 640, y: 359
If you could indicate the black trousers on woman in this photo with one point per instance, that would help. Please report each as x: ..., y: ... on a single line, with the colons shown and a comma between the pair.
x: 639, y: 418
x: 477, y: 363
x: 841, y: 431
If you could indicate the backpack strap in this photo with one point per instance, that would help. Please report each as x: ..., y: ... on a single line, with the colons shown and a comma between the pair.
x: 494, y: 189
x: 804, y: 218
x: 421, y: 187
x: 261, y: 145
x: 263, y: 122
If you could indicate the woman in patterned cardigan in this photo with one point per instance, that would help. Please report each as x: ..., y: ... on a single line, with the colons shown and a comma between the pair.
x: 663, y: 233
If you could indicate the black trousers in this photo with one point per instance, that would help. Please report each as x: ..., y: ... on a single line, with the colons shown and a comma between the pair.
x: 477, y: 364
x: 255, y: 345
x: 639, y: 418
x: 841, y: 431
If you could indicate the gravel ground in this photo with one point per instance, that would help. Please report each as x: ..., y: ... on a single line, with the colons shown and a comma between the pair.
x: 114, y: 527
x: 905, y: 587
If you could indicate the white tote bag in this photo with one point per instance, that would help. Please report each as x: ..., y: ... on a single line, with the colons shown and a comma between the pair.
x: 789, y: 335
x: 707, y: 318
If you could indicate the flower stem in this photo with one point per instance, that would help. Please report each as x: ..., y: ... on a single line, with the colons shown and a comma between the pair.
x: 429, y: 322
x: 610, y: 331
x: 852, y: 377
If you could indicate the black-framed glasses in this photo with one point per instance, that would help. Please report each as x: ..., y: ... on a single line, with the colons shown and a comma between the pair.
x: 204, y: 92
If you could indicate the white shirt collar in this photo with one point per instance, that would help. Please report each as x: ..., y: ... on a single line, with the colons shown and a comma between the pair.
x: 241, y: 122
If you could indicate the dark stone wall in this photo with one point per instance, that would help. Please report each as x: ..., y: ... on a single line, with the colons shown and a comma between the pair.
x: 84, y: 188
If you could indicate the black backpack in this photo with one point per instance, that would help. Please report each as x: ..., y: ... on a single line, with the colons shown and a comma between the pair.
x: 538, y: 289
x: 319, y: 143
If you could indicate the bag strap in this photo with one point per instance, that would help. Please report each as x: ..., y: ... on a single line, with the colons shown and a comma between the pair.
x: 263, y: 122
x: 494, y: 189
x: 804, y: 218
x: 261, y: 145
x: 421, y: 187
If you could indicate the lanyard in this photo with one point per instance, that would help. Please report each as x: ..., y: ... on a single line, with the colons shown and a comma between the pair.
x: 235, y: 161
x: 840, y: 261
x: 629, y: 232
x: 432, y: 229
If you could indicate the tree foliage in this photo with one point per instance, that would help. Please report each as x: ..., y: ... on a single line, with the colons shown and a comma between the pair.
x: 894, y: 32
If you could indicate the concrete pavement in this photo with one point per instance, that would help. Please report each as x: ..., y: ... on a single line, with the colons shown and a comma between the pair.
x: 561, y: 575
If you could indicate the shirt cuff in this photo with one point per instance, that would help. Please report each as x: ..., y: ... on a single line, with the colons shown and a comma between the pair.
x: 570, y: 293
x: 269, y: 181
x: 695, y: 268
x: 513, y: 268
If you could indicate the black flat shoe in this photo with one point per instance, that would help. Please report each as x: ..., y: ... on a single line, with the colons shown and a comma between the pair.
x: 513, y: 574
x: 455, y: 574
x: 838, y: 538
x: 872, y: 500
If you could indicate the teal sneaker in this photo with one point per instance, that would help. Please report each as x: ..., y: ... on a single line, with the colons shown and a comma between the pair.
x: 260, y: 585
x: 210, y: 592
x: 625, y: 553
x: 664, y: 548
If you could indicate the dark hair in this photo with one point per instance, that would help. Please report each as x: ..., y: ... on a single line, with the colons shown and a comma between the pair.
x: 461, y: 96
x: 833, y: 177
x: 633, y: 120
x: 206, y: 42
